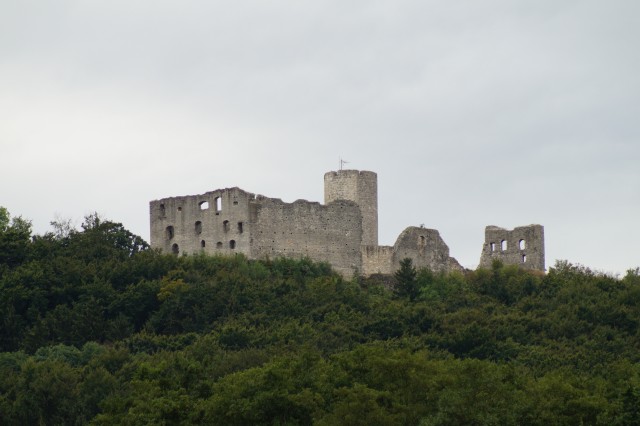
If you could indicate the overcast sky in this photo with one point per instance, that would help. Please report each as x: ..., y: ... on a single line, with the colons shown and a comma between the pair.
x: 473, y: 113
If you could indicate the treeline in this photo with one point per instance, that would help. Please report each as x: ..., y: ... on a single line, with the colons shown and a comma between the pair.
x: 99, y: 329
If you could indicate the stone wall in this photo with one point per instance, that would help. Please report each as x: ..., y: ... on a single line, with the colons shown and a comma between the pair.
x: 329, y: 233
x: 522, y: 246
x: 231, y: 220
x: 214, y: 222
x: 425, y: 248
x: 377, y: 260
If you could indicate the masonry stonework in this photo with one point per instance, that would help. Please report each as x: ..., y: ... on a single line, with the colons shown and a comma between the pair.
x: 331, y: 233
x: 360, y: 187
x: 343, y: 231
x: 523, y: 246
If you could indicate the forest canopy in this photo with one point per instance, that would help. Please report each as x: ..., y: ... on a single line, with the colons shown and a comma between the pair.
x: 98, y: 328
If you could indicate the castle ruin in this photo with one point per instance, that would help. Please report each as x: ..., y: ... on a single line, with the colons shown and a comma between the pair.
x: 343, y: 231
x: 522, y: 246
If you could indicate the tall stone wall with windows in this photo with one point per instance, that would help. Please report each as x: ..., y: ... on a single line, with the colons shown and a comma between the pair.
x: 214, y: 222
x: 522, y: 246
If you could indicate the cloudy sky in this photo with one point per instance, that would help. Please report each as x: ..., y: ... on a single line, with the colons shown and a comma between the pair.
x: 473, y: 113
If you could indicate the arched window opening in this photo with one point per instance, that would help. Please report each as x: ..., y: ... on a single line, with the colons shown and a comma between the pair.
x: 163, y: 211
x: 240, y: 230
x: 218, y: 205
x: 219, y: 245
x: 202, y: 243
x: 522, y: 244
x: 524, y: 258
x: 225, y: 226
x: 503, y: 245
x: 175, y: 249
x: 169, y: 232
x: 232, y: 244
x: 204, y: 205
x: 198, y: 228
x: 422, y: 241
x: 180, y: 208
x: 493, y: 247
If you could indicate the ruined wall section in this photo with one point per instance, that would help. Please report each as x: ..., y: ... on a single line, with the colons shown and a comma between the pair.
x: 426, y: 249
x: 331, y: 233
x: 377, y: 260
x: 522, y: 246
x: 360, y: 187
x: 423, y: 246
x: 214, y: 222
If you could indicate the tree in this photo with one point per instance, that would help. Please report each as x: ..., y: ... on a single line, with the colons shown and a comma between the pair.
x: 15, y: 235
x: 4, y: 219
x: 407, y: 285
x: 62, y: 227
x: 102, y: 239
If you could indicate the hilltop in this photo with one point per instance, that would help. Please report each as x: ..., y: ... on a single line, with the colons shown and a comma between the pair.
x: 98, y: 328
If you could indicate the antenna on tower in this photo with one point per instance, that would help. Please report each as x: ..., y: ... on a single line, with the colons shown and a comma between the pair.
x: 342, y: 163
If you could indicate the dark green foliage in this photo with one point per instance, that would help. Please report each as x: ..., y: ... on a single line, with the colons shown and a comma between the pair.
x: 96, y: 328
x: 406, y: 282
x: 14, y: 240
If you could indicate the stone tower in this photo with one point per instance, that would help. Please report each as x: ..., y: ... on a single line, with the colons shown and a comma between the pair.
x: 362, y: 188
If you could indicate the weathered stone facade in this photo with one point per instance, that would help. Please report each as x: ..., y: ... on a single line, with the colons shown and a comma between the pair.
x: 523, y: 246
x: 360, y: 187
x: 342, y: 232
x: 423, y: 246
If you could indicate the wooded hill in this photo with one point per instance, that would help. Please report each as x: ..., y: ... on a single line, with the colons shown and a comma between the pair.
x: 97, y: 328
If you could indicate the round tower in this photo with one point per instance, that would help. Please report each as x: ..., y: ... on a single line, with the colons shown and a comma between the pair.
x: 360, y: 187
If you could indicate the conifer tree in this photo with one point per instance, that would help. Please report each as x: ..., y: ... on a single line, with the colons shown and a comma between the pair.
x: 407, y: 285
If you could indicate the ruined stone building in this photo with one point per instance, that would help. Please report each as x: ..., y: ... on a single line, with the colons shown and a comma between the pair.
x: 343, y: 231
x: 523, y: 246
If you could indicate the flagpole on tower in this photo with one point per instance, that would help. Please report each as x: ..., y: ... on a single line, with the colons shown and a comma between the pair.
x: 342, y: 163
